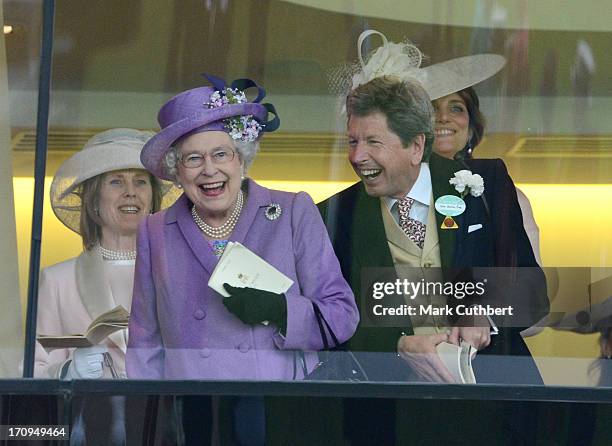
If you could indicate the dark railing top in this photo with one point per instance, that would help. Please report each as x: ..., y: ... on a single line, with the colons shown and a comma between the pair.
x: 497, y: 392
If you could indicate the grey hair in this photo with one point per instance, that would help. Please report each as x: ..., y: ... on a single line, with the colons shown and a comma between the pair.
x: 405, y: 104
x: 247, y: 150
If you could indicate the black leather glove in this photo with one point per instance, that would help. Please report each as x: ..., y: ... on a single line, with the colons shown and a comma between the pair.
x: 253, y: 306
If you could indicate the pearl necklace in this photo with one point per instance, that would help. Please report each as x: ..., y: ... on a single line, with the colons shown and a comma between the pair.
x: 226, y: 228
x: 109, y: 254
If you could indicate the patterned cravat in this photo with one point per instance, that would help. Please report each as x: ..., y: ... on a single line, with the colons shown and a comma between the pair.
x: 415, y: 230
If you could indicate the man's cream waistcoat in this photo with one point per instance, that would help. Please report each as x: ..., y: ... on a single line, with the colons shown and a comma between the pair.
x: 413, y: 263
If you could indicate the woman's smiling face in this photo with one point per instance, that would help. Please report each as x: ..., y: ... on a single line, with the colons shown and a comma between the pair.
x: 125, y: 199
x: 452, y: 126
x: 212, y: 187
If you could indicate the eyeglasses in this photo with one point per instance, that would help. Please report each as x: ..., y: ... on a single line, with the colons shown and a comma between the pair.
x: 217, y: 156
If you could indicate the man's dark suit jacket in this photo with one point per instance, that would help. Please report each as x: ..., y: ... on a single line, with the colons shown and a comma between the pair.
x: 355, y: 226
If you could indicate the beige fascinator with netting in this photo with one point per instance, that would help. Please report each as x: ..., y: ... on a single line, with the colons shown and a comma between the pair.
x: 114, y: 149
x: 403, y: 60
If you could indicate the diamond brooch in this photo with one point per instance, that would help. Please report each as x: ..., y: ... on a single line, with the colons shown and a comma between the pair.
x: 273, y: 211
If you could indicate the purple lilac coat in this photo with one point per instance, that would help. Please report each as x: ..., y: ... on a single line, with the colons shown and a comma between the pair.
x: 179, y: 327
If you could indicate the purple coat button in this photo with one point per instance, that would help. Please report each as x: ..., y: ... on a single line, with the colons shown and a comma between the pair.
x: 199, y: 314
x: 205, y: 352
x: 243, y: 347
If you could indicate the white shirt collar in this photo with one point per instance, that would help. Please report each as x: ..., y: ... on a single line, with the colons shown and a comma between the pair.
x: 421, y: 189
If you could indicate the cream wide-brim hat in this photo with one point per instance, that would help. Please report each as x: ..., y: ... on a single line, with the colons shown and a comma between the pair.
x: 115, y: 149
x: 403, y: 60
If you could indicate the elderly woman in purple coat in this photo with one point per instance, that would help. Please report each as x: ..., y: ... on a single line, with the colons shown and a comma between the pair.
x: 179, y: 326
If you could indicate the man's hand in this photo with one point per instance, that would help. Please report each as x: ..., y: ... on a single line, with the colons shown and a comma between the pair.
x: 419, y: 351
x: 475, y: 330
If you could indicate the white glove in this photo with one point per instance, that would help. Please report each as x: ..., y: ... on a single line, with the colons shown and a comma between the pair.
x: 86, y: 363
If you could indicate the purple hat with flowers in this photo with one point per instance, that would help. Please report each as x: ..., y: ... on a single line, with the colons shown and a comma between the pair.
x: 202, y: 109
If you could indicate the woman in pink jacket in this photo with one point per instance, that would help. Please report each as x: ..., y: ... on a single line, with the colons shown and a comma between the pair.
x: 102, y: 193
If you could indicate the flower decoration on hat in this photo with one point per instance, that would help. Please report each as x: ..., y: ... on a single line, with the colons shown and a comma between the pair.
x: 243, y: 128
x: 467, y: 182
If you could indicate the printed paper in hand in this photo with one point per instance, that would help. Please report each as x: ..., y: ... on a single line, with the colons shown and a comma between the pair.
x: 241, y: 267
x: 458, y: 360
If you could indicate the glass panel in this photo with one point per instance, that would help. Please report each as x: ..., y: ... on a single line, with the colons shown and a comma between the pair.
x: 116, y: 63
x: 19, y: 65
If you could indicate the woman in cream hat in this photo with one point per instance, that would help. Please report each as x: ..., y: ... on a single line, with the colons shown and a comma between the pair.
x: 102, y: 193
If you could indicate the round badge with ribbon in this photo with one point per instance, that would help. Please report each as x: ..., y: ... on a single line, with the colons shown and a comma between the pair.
x: 450, y: 206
